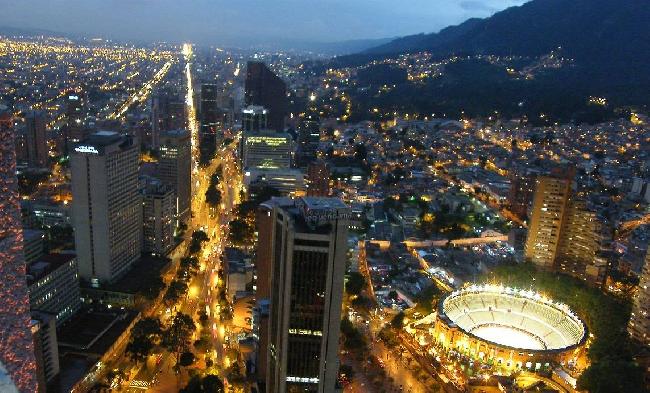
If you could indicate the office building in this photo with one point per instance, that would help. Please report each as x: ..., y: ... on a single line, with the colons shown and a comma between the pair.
x: 212, y: 119
x: 16, y: 344
x: 288, y: 181
x: 639, y: 326
x: 33, y: 243
x: 301, y: 255
x: 107, y: 208
x: 318, y: 179
x: 264, y: 88
x: 254, y: 119
x: 36, y: 139
x: 75, y: 116
x: 159, y: 211
x: 175, y: 169
x: 266, y: 150
x: 46, y: 346
x: 54, y: 286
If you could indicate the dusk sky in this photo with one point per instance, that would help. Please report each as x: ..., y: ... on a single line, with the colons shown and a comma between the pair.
x: 244, y: 22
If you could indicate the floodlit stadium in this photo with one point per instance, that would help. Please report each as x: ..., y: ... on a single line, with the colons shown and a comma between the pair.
x: 515, y: 327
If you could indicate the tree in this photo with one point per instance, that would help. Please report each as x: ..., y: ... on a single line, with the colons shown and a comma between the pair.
x: 174, y: 292
x: 198, y: 238
x: 153, y: 288
x: 213, y: 196
x: 241, y: 233
x: 355, y: 284
x: 208, y: 384
x: 144, y: 334
x: 398, y: 321
x: 190, y: 263
x: 177, y: 336
x: 186, y: 359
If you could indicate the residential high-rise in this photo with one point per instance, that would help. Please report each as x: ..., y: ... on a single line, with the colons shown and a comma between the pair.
x: 159, y: 210
x: 522, y: 189
x: 639, y: 326
x: 266, y: 149
x: 318, y: 179
x: 266, y: 89
x: 107, y: 208
x: 565, y: 234
x: 36, y: 139
x: 303, y: 260
x: 308, y: 138
x: 547, y: 214
x: 16, y: 344
x: 175, y: 169
x: 584, y: 240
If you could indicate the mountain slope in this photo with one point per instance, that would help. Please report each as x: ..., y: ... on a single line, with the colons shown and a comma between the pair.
x: 609, y: 30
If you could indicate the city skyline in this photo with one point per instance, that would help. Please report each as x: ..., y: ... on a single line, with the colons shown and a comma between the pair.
x: 277, y: 23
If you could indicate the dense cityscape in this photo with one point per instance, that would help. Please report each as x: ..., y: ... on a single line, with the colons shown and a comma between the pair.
x: 180, y: 217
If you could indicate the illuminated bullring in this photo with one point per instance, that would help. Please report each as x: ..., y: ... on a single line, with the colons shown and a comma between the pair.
x: 516, y: 328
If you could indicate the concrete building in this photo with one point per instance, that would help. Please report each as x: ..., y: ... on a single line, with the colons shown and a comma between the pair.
x: 54, y: 286
x: 565, y: 234
x: 175, y: 169
x: 547, y: 214
x: 158, y: 209
x: 318, y: 179
x: 266, y: 89
x: 107, y: 208
x: 305, y: 254
x: 289, y: 181
x: 46, y: 345
x: 33, y: 245
x: 36, y: 139
x: 266, y: 150
x: 639, y: 326
x: 16, y: 344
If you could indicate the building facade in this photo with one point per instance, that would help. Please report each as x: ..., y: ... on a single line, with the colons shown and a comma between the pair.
x: 175, y: 166
x: 54, y: 286
x: 158, y: 209
x: 107, y: 208
x: 36, y: 139
x: 16, y: 344
x: 266, y: 150
x: 266, y: 89
x: 307, y: 253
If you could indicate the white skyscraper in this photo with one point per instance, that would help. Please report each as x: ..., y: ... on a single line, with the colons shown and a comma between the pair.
x: 107, y: 207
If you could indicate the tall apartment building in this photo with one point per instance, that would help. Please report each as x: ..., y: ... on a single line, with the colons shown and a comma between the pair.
x: 16, y: 344
x: 301, y: 265
x: 264, y: 88
x: 585, y: 236
x: 565, y: 234
x: 107, y: 208
x: 212, y: 118
x: 266, y: 150
x: 318, y: 179
x: 639, y: 326
x: 522, y: 190
x: 175, y: 169
x: 308, y: 138
x: 159, y: 210
x: 549, y: 204
x: 54, y: 286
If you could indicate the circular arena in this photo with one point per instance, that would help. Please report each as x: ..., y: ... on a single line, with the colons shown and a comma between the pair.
x: 515, y: 328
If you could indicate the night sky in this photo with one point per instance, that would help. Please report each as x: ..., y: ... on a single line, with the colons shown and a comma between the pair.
x: 244, y: 22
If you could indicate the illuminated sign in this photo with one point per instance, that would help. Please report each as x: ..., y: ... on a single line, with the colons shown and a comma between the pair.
x: 86, y: 149
x: 73, y: 98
